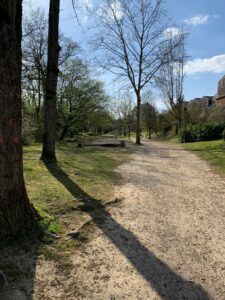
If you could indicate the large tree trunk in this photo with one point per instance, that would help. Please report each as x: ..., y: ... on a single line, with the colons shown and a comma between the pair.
x: 16, y: 213
x: 138, y: 125
x: 48, y: 151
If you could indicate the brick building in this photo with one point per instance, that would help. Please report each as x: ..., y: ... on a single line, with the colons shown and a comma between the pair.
x: 204, y: 102
x: 221, y: 92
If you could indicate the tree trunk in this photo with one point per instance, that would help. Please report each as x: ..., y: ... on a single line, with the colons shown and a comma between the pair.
x: 124, y: 131
x: 149, y: 133
x: 138, y: 125
x: 64, y: 132
x: 176, y: 128
x: 48, y: 151
x: 16, y: 213
x: 129, y: 131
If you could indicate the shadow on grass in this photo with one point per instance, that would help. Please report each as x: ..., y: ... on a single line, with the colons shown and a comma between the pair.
x: 167, y: 283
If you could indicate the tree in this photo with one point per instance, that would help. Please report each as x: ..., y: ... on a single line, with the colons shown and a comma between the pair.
x: 171, y: 79
x: 34, y: 46
x: 100, y: 122
x: 16, y: 212
x: 79, y: 97
x: 132, y: 40
x: 124, y: 114
x: 48, y: 150
x: 149, y: 113
x: 35, y: 52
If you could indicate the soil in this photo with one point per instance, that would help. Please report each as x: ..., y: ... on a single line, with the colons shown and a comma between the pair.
x: 165, y: 240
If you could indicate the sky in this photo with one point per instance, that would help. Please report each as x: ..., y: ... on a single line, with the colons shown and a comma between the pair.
x: 205, y: 46
x: 204, y: 20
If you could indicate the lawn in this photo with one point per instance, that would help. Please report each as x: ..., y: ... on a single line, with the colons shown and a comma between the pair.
x: 212, y: 151
x: 54, y: 189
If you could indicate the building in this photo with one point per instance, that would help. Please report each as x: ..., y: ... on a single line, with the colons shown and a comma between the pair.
x: 204, y: 102
x: 220, y: 100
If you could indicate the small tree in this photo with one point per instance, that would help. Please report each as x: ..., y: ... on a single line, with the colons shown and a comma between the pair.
x: 149, y: 114
x: 125, y: 111
x: 171, y: 77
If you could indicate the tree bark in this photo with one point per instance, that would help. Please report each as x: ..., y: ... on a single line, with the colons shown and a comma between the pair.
x: 48, y: 151
x: 138, y: 124
x: 16, y: 213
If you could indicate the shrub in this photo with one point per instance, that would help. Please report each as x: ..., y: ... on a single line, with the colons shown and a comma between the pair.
x: 202, y: 132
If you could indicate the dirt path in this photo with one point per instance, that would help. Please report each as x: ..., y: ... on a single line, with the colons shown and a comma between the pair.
x: 164, y: 241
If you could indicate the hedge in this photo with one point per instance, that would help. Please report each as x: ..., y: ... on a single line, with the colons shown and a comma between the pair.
x: 202, y: 132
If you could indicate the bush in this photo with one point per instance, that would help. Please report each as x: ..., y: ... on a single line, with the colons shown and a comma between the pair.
x: 202, y: 132
x: 190, y: 137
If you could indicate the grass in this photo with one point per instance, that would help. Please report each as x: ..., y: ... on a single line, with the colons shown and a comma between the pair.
x: 212, y: 151
x: 92, y: 169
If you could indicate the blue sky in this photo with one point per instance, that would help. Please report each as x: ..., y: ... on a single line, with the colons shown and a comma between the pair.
x: 203, y: 19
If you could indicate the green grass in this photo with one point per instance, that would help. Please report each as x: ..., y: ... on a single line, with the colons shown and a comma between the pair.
x: 90, y: 168
x: 212, y: 151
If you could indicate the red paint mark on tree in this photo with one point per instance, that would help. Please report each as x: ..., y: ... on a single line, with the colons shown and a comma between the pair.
x: 15, y: 139
x: 1, y: 140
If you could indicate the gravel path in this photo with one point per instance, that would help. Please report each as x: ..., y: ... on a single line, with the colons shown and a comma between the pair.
x: 166, y: 239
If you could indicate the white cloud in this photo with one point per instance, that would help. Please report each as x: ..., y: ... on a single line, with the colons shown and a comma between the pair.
x: 215, y: 64
x: 197, y: 20
x: 172, y: 32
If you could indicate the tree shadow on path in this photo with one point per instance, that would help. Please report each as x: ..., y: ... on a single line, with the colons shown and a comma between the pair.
x: 168, y: 284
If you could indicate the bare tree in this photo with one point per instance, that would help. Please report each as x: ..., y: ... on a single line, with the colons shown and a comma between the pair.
x: 131, y: 43
x: 16, y: 212
x: 35, y: 52
x: 171, y: 79
x: 48, y: 150
x: 125, y: 112
x: 149, y: 113
x: 35, y: 45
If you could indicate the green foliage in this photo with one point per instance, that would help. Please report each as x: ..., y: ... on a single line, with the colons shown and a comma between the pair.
x: 202, y: 132
x: 32, y: 130
x: 165, y: 124
x: 81, y: 100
